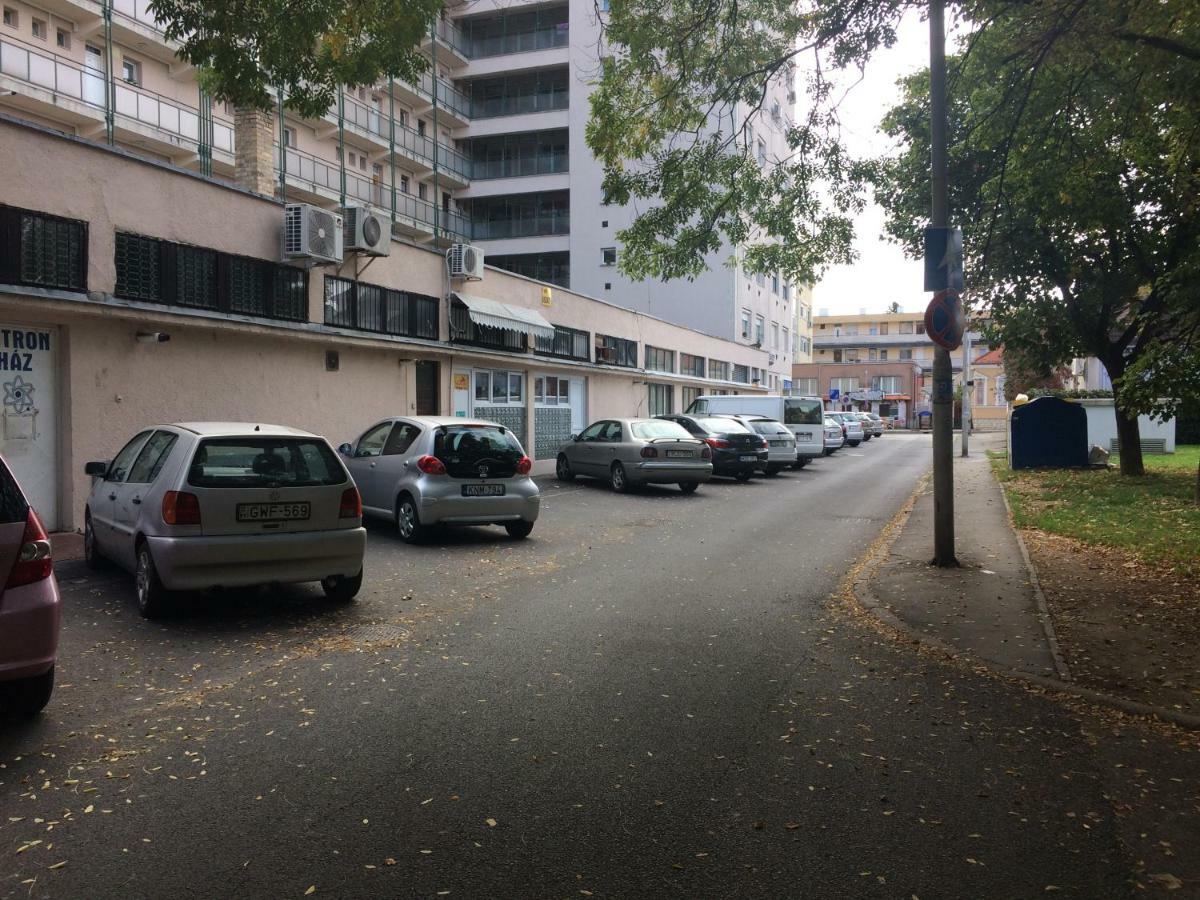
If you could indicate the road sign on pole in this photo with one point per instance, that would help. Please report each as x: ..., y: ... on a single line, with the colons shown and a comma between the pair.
x: 943, y: 259
x: 944, y: 320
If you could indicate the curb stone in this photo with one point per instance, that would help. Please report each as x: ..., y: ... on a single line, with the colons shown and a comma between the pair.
x: 860, y: 591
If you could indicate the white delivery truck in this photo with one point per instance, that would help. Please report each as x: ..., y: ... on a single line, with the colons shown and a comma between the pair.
x: 805, y: 416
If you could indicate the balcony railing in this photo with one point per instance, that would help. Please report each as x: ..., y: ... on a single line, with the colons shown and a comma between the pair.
x: 452, y: 36
x: 523, y: 42
x: 66, y: 78
x: 536, y: 164
x: 546, y: 224
x: 422, y: 146
x: 448, y: 95
x: 518, y: 104
x: 139, y: 11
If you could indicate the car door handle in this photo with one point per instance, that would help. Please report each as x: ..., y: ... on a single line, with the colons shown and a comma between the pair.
x: 136, y: 501
x: 112, y: 496
x: 372, y: 465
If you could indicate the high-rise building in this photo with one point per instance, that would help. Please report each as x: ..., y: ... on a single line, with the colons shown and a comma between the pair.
x: 487, y: 147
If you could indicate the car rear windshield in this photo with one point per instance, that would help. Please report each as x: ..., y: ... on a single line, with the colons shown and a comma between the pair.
x: 648, y: 431
x: 723, y: 426
x: 251, y: 462
x: 764, y: 427
x: 802, y: 412
x: 13, y: 507
x: 464, y: 448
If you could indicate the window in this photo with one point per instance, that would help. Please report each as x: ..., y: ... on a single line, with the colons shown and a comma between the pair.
x: 786, y: 338
x: 464, y: 331
x: 746, y: 324
x: 404, y: 184
x: 774, y: 335
x: 980, y: 398
x: 289, y: 137
x: 661, y: 400
x: 506, y: 388
x: 660, y: 360
x: 691, y: 365
x: 883, y: 355
x: 717, y: 370
x: 741, y: 374
x: 837, y: 355
x: 616, y: 351
x: 905, y: 328
x: 42, y: 251
x: 608, y: 256
x: 919, y: 328
x: 906, y: 353
x: 775, y: 282
x: 787, y: 291
x: 760, y: 279
x: 371, y: 307
x: 569, y: 343
x: 551, y: 391
x: 805, y: 387
x: 63, y: 38
x: 423, y: 191
x: 762, y: 152
x: 10, y: 17
x: 150, y: 461
x: 883, y: 327
x: 421, y: 127
x: 400, y: 439
x: 760, y: 327
x: 843, y: 385
x: 889, y: 384
x: 689, y: 396
x: 131, y: 71
x: 243, y: 462
x: 119, y: 467
x: 39, y: 29
x: 852, y: 355
x: 873, y: 355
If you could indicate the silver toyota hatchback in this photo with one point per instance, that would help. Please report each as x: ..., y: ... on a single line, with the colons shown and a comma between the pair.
x: 201, y: 505
x: 436, y: 470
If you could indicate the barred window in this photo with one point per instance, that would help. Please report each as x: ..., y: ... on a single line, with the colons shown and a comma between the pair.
x: 339, y: 302
x: 195, y: 277
x: 569, y: 343
x: 616, y: 351
x: 40, y: 250
x: 138, y: 267
x: 372, y: 307
x: 741, y: 374
x: 247, y: 292
x: 290, y: 294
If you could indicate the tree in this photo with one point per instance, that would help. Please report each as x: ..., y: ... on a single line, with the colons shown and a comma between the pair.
x: 893, y: 307
x: 1075, y: 166
x: 249, y: 49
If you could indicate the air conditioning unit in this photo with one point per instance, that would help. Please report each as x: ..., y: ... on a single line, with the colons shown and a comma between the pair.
x: 367, y: 231
x: 465, y: 261
x: 310, y: 232
x: 606, y: 354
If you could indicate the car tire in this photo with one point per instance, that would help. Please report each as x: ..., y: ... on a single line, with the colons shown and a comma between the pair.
x: 688, y: 487
x: 802, y: 462
x: 152, y: 597
x: 743, y: 476
x: 28, y: 696
x: 772, y: 470
x: 562, y: 468
x: 618, y: 479
x: 518, y: 530
x: 341, y: 589
x: 853, y: 443
x: 408, y: 521
x: 91, y: 554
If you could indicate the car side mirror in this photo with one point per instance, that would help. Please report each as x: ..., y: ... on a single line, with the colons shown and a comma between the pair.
x: 96, y: 468
x: 345, y: 450
x: 575, y: 438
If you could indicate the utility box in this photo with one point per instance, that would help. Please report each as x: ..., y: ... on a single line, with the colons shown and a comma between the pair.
x: 1048, y: 433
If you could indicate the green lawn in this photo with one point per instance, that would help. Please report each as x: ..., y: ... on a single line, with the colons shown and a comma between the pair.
x: 1153, y: 517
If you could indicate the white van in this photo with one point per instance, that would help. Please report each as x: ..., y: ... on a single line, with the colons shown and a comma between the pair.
x: 805, y: 416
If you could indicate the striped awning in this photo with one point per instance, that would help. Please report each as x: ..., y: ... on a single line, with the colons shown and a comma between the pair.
x: 494, y: 314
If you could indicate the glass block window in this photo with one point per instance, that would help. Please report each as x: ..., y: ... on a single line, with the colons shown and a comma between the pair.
x: 138, y: 267
x: 195, y: 277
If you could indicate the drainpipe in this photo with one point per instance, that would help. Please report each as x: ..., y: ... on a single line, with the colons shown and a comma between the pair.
x: 206, y: 133
x: 342, y: 144
x: 282, y: 146
x: 437, y: 199
x: 110, y: 87
x: 392, y: 139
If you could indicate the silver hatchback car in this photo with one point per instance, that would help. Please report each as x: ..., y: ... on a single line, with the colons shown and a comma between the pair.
x: 436, y: 470
x: 199, y: 505
x: 631, y: 452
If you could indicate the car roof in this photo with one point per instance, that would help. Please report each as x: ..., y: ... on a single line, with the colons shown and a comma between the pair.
x: 438, y: 421
x: 240, y: 429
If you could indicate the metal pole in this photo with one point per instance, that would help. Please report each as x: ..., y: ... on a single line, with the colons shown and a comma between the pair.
x: 437, y: 200
x: 341, y: 106
x: 943, y: 372
x: 392, y: 139
x: 110, y: 87
x: 968, y: 404
x: 282, y: 146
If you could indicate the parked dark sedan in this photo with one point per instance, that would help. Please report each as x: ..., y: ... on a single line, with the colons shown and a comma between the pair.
x: 737, y: 451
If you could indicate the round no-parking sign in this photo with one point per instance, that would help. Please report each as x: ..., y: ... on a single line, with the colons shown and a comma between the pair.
x: 944, y: 320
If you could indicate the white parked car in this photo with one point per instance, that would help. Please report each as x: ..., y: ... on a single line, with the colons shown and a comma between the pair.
x: 835, y: 436
x: 852, y: 428
x: 200, y: 505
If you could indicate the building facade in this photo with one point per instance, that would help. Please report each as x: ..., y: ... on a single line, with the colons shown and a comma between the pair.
x: 888, y: 389
x: 134, y: 292
x: 486, y: 147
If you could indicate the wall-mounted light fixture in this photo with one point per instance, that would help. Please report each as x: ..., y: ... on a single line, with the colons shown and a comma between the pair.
x: 152, y: 337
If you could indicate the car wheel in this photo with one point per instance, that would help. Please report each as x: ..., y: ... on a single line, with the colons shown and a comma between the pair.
x: 853, y: 443
x: 91, y: 554
x: 562, y: 469
x: 341, y: 589
x: 772, y: 470
x: 688, y: 487
x: 408, y: 521
x: 801, y: 462
x: 743, y: 476
x: 28, y: 696
x: 518, y: 530
x: 152, y: 597
x: 618, y: 479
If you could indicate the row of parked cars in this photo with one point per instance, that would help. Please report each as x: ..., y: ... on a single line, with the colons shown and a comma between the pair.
x: 203, y: 505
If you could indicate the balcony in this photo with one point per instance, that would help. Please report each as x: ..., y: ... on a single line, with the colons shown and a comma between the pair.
x: 493, y: 97
x: 454, y: 107
x: 531, y: 226
x: 453, y: 47
x: 59, y: 89
x: 824, y: 340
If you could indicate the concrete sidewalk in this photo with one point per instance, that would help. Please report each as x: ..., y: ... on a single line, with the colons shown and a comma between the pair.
x: 990, y: 607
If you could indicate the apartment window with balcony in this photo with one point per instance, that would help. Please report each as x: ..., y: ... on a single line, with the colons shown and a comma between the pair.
x: 421, y: 127
x: 741, y: 374
x: 746, y: 324
x: 11, y: 19
x: 39, y: 29
x: 760, y: 329
x: 567, y: 343
x: 608, y: 256
x: 843, y: 385
x: 63, y: 39
x: 616, y: 351
x: 905, y: 328
x: 787, y: 291
x: 691, y: 365
x: 517, y: 32
x: 906, y: 353
x: 521, y: 215
x: 774, y: 335
x: 883, y: 356
x: 852, y: 356
x: 718, y: 370
x: 404, y: 184
x: 519, y: 155
x: 131, y: 71
x: 527, y: 92
x: 786, y: 338
x: 889, y: 384
x: 774, y: 282
x: 42, y: 251
x: 873, y: 355
x: 661, y: 400
x: 883, y: 327
x: 659, y: 360
x: 805, y: 387
x: 837, y: 355
x: 552, y: 267
x: 423, y: 191
x: 159, y: 271
x: 918, y: 328
x: 289, y: 137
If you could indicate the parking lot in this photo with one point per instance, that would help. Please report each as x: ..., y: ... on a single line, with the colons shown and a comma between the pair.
x: 648, y: 695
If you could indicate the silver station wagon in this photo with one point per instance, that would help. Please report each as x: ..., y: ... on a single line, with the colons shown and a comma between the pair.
x: 201, y: 505
x: 437, y: 470
x: 631, y: 452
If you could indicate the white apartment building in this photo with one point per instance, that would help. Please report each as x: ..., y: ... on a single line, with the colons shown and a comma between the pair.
x: 488, y: 147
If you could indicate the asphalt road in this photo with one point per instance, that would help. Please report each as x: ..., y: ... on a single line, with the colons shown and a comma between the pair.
x: 652, y: 696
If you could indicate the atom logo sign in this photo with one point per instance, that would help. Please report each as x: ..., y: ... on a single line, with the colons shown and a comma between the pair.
x: 18, y: 394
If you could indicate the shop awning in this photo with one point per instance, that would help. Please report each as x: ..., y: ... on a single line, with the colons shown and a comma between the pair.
x: 494, y: 314
x: 896, y: 397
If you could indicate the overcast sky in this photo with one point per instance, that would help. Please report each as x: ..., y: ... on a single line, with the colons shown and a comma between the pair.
x: 882, y: 274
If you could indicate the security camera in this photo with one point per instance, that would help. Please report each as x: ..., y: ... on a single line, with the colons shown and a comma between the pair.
x: 152, y: 337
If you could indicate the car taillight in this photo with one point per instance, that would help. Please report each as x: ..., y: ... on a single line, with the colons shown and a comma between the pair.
x: 649, y: 452
x: 351, y: 507
x: 719, y: 443
x: 34, y: 561
x: 706, y: 452
x: 524, y: 464
x: 431, y: 465
x: 181, y: 508
x: 762, y: 442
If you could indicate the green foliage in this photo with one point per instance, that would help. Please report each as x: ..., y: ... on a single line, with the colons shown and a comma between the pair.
x: 249, y: 48
x: 1034, y: 393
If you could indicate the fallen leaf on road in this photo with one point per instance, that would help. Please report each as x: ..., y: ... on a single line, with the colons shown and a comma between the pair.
x: 59, y: 865
x: 1166, y: 881
x: 312, y: 889
x: 389, y: 862
x: 491, y: 823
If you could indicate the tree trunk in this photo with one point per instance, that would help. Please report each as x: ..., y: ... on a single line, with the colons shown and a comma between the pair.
x: 1197, y: 497
x: 1131, y: 443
